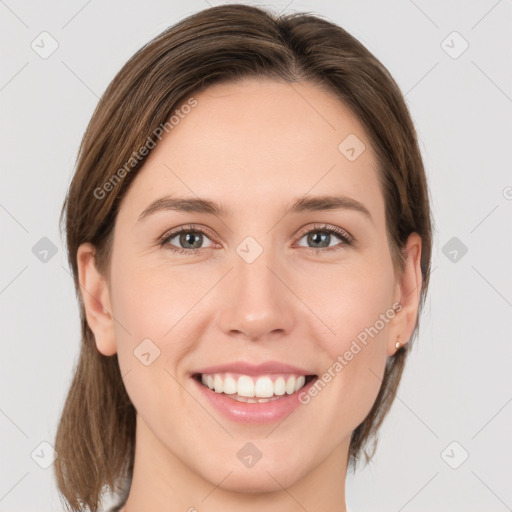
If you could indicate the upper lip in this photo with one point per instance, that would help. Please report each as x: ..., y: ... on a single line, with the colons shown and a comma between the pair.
x: 246, y: 368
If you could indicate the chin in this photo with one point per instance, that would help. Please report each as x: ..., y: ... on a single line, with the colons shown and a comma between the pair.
x: 259, y: 482
x: 264, y: 477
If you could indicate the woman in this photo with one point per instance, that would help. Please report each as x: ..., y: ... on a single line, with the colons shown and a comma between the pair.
x: 250, y: 236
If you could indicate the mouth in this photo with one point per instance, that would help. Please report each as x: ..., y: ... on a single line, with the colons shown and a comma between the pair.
x: 254, y: 389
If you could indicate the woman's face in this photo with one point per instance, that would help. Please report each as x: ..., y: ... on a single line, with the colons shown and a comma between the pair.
x: 264, y: 295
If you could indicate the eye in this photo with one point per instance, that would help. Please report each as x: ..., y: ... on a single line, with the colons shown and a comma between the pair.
x: 189, y: 239
x: 321, y: 237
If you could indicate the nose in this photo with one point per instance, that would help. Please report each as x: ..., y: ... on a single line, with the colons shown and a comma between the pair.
x: 256, y: 303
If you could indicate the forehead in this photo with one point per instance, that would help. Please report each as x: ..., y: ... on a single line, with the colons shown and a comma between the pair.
x: 260, y: 139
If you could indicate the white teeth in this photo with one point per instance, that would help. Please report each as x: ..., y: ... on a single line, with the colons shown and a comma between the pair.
x: 290, y: 385
x: 245, y: 386
x: 253, y: 389
x: 230, y: 386
x: 279, y: 386
x: 264, y: 388
x: 300, y: 382
x: 218, y: 384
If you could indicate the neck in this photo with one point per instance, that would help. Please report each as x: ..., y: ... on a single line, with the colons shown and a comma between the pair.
x: 162, y: 482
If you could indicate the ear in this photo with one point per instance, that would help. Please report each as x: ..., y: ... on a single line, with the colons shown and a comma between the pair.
x: 96, y: 299
x: 407, y: 294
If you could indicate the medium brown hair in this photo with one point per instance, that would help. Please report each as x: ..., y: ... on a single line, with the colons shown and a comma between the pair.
x: 96, y: 434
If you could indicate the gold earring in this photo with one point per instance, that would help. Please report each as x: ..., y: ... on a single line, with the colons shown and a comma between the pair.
x: 397, y: 344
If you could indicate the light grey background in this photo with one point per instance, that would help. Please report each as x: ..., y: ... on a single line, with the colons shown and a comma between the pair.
x: 457, y: 385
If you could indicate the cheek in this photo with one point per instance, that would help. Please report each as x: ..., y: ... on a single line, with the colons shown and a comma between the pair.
x: 358, y: 310
x: 352, y: 306
x: 154, y: 331
x: 152, y: 300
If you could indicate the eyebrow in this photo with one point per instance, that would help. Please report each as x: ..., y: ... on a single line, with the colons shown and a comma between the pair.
x: 304, y: 204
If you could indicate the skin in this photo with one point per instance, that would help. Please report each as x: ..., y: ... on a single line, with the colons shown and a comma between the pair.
x: 254, y: 146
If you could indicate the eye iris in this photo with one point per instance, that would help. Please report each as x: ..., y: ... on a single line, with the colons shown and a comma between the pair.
x: 194, y: 239
x: 319, y: 237
x: 186, y: 237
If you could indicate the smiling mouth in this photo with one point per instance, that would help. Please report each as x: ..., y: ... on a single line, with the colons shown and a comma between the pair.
x: 252, y: 389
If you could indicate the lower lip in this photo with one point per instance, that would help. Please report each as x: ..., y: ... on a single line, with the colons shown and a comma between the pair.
x: 244, y: 412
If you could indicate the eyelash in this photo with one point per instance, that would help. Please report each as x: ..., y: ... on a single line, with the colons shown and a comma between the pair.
x: 346, y: 239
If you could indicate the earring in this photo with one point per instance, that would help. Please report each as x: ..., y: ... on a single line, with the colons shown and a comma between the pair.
x: 397, y: 344
x: 107, y: 313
